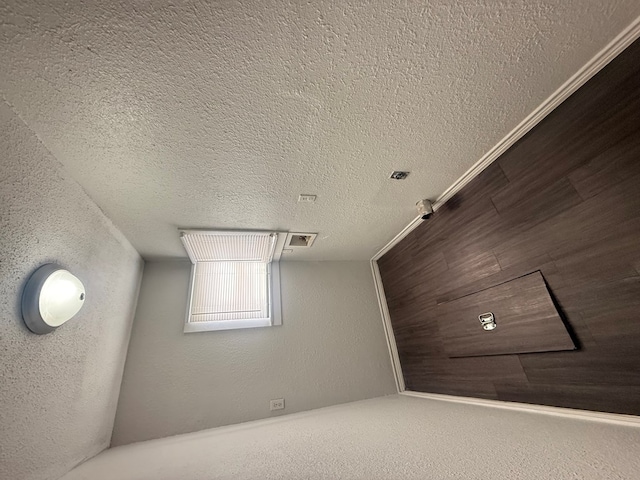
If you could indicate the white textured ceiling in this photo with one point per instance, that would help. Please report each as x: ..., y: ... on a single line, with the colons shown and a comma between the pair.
x: 218, y: 114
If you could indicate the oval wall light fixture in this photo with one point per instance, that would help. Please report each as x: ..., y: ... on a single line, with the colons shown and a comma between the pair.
x: 51, y: 297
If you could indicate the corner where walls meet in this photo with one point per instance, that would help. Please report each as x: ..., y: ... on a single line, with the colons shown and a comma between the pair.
x: 59, y: 391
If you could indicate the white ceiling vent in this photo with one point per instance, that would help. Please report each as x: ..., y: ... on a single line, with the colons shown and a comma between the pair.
x: 300, y: 240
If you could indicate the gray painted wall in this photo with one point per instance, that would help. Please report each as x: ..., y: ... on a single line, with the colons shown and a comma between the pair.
x: 58, y: 392
x: 330, y: 349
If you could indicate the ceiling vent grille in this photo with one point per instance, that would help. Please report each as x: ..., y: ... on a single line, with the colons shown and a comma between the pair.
x: 300, y: 240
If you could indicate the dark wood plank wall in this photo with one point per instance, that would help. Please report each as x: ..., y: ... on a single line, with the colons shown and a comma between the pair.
x: 564, y: 200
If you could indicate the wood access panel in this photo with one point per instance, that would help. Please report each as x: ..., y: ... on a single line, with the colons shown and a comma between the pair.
x: 526, y: 318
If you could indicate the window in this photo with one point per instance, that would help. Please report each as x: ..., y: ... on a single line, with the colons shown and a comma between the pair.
x: 235, y: 279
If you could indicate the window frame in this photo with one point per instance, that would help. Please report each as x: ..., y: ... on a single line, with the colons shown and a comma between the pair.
x: 273, y: 285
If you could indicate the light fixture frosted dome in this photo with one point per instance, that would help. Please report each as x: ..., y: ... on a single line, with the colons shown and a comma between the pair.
x: 51, y: 297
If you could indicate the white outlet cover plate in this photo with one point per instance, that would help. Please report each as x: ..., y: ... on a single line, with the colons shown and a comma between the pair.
x: 305, y: 198
x: 277, y: 404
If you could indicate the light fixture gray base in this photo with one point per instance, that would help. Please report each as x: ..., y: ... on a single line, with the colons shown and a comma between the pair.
x: 30, y: 299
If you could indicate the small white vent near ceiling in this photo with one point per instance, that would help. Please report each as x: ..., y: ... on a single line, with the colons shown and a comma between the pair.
x: 300, y: 240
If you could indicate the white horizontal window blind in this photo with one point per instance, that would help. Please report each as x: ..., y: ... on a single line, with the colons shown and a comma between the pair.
x: 231, y: 281
x: 224, y: 246
x: 230, y: 291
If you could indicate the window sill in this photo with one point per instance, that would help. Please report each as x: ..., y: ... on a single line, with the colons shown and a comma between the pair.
x: 226, y: 325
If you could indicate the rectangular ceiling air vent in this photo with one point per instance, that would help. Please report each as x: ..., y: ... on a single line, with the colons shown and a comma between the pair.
x: 300, y: 240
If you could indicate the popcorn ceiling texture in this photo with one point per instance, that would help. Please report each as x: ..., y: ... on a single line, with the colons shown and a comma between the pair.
x: 330, y: 349
x: 58, y: 392
x: 393, y: 437
x: 218, y: 114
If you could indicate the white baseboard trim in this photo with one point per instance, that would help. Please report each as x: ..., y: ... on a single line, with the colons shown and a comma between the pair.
x: 603, y: 417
